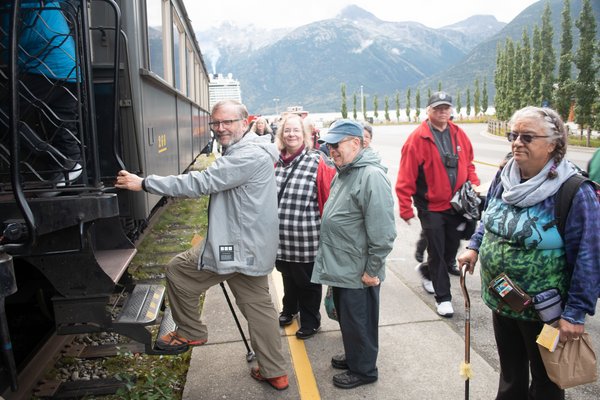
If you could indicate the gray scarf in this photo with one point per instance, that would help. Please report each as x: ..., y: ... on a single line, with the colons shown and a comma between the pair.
x: 536, y: 189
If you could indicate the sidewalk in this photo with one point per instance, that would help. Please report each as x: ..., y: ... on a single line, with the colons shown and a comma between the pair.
x: 419, y: 357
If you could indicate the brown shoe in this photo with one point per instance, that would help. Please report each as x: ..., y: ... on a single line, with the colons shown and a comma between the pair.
x: 278, y: 382
x: 173, y: 341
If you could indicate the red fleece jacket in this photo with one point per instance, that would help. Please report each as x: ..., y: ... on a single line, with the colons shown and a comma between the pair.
x: 422, y: 174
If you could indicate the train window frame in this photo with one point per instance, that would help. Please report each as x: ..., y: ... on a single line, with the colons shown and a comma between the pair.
x: 164, y: 7
x: 190, y: 73
x: 179, y: 53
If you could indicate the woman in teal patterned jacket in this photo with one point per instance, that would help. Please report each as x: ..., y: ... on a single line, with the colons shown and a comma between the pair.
x: 519, y: 236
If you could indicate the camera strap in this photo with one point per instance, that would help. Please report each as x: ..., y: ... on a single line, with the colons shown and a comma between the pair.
x: 439, y: 144
x: 451, y: 172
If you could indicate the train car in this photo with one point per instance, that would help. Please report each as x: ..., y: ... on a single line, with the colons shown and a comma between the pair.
x: 87, y: 87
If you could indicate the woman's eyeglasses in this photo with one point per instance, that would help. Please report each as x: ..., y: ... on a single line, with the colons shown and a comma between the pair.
x: 226, y: 123
x: 525, y: 137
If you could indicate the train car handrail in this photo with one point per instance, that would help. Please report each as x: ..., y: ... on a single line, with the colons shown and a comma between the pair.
x: 19, y: 195
x: 115, y: 122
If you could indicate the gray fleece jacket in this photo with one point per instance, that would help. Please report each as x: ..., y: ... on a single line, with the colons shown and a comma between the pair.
x: 243, y: 228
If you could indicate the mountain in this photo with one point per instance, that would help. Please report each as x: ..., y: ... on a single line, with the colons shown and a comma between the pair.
x: 307, y: 65
x: 480, y: 63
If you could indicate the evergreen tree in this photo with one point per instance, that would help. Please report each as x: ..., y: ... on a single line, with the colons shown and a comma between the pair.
x: 548, y: 56
x: 398, y: 106
x: 484, y: 97
x: 499, y: 78
x: 386, y: 104
x: 375, y: 107
x: 536, y: 67
x: 354, y: 101
x: 364, y: 107
x: 477, y: 99
x: 525, y: 79
x: 519, y: 78
x: 344, y: 106
x: 512, y: 89
x: 564, y: 92
x: 417, y: 105
x: 458, y: 104
x: 408, y: 104
x: 468, y: 102
x: 584, y: 61
x: 428, y: 94
x: 439, y: 86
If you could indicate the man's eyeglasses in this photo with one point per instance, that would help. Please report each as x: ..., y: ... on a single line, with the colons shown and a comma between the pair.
x: 336, y: 145
x: 525, y: 137
x: 226, y: 123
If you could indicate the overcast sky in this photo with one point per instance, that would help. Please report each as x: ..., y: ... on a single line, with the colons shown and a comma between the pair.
x: 278, y: 13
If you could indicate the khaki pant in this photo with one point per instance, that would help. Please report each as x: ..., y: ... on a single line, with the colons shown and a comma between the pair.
x: 185, y: 284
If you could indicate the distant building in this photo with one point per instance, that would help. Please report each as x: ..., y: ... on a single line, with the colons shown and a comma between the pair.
x: 223, y: 87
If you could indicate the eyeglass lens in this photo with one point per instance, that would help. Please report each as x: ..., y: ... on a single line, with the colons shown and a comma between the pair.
x: 525, y: 138
x: 226, y: 123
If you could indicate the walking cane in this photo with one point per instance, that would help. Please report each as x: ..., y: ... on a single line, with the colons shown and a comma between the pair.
x: 250, y: 355
x: 465, y: 367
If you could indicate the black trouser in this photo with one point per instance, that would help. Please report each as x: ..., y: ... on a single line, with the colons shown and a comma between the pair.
x: 442, y: 244
x: 58, y: 112
x: 300, y: 294
x: 358, y: 315
x: 518, y: 352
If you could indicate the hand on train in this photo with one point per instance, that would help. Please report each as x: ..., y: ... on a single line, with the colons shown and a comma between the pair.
x: 370, y: 280
x: 129, y: 181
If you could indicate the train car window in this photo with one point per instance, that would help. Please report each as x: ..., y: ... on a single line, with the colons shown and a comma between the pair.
x: 156, y: 32
x: 190, y: 71
x: 179, y: 54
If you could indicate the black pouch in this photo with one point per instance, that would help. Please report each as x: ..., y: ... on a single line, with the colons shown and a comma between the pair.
x: 509, y: 293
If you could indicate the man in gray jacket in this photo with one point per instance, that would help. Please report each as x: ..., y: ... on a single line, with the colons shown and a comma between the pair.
x: 241, y: 244
x: 357, y: 234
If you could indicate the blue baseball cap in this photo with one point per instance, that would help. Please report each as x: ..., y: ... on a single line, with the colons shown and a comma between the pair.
x: 341, y: 129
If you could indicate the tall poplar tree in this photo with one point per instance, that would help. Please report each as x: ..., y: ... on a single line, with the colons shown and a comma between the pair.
x: 584, y: 61
x: 398, y: 106
x: 484, y: 97
x: 525, y: 78
x: 417, y: 105
x: 477, y: 99
x: 468, y: 102
x: 344, y: 105
x: 536, y: 67
x: 375, y: 107
x: 354, y: 101
x: 364, y: 107
x: 458, y: 103
x: 408, y: 104
x: 386, y: 108
x: 564, y: 92
x: 548, y: 57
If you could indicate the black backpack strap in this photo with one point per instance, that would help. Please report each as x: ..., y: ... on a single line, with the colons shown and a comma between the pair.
x: 564, y: 198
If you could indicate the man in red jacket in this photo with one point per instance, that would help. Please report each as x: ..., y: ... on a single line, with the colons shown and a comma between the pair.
x: 437, y: 159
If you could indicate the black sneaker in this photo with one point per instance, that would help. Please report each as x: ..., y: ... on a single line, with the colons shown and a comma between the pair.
x: 453, y: 270
x: 306, y: 333
x: 339, y: 361
x: 347, y: 380
x: 286, y: 319
x: 419, y: 256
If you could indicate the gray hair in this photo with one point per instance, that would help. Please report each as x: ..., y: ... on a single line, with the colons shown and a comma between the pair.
x: 553, y: 127
x: 240, y: 109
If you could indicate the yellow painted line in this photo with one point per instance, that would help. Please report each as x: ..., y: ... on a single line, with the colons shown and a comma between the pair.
x: 305, y: 377
x: 486, y: 163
